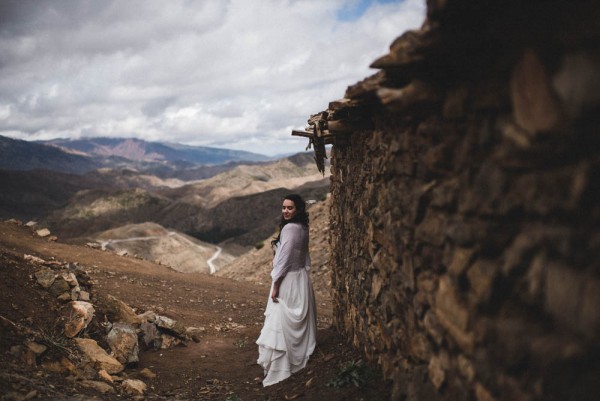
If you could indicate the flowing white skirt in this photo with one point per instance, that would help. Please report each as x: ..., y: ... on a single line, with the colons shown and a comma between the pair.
x: 288, y: 336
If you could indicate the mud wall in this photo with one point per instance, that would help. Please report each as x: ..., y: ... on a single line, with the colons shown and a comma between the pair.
x: 465, y: 216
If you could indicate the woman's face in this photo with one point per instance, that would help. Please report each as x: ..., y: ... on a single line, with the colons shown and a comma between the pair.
x: 288, y: 210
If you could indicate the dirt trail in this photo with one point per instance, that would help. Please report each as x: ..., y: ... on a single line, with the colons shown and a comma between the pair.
x: 222, y: 365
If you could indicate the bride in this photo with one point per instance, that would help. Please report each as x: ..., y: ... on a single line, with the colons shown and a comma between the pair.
x: 287, y: 338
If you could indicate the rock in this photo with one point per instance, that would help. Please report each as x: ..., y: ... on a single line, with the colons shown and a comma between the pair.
x: 98, y: 386
x: 44, y: 232
x: 171, y: 325
x: 71, y: 279
x: 98, y: 357
x: 104, y: 375
x: 121, y: 312
x: 34, y: 259
x: 84, y: 296
x: 150, y: 335
x: 536, y: 106
x: 168, y: 341
x: 122, y: 252
x: 59, y: 287
x: 123, y: 342
x: 45, y: 277
x: 436, y: 372
x: 148, y: 316
x: 36, y: 348
x: 80, y: 315
x: 134, y: 387
x: 31, y: 223
x: 147, y: 373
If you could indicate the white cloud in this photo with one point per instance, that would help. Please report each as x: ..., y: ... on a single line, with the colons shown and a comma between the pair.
x: 234, y: 74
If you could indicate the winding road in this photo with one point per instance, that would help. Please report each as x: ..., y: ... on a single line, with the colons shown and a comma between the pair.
x: 210, y: 262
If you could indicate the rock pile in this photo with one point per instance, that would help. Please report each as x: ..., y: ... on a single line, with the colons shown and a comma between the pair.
x: 125, y: 331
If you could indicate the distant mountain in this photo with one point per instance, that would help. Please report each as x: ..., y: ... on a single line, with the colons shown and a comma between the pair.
x: 140, y: 150
x: 85, y: 155
x: 25, y: 155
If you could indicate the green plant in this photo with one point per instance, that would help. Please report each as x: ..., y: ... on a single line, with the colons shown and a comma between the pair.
x: 241, y: 342
x: 259, y: 244
x: 233, y: 397
x: 353, y: 372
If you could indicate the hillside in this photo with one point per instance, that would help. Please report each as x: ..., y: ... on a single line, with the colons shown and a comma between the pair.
x: 239, y: 206
x: 217, y: 363
x: 150, y: 241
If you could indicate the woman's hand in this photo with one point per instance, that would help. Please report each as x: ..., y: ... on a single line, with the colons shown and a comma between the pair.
x: 275, y: 292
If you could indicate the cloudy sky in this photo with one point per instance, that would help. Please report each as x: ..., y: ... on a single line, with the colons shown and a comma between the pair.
x: 237, y: 74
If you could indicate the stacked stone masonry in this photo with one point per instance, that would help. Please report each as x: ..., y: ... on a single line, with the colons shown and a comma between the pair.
x: 465, y: 214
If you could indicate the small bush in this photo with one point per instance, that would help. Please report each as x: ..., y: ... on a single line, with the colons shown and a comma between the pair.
x: 259, y: 244
x: 353, y: 372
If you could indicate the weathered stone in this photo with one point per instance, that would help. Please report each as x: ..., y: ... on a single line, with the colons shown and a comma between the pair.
x: 436, y: 372
x: 84, y: 296
x: 98, y: 357
x: 104, y: 375
x: 102, y: 387
x: 168, y: 341
x: 45, y: 277
x: 577, y: 83
x: 121, y: 312
x: 535, y: 103
x: 481, y: 277
x: 173, y: 326
x: 466, y: 368
x: 461, y: 258
x: 482, y: 394
x: 59, y: 287
x: 453, y: 316
x: 79, y: 315
x: 70, y: 278
x: 44, y: 232
x: 147, y: 373
x: 150, y: 335
x: 123, y: 342
x: 134, y: 387
x: 561, y: 285
x: 36, y: 348
x: 589, y: 321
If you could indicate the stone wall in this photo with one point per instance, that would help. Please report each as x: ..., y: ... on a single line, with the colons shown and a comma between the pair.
x: 464, y: 214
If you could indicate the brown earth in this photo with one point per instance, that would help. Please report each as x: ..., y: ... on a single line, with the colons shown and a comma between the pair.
x: 221, y: 366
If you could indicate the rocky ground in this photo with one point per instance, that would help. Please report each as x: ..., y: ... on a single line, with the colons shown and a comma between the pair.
x: 214, y: 359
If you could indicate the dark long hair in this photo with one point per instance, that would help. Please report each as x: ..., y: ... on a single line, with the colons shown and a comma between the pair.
x: 301, y: 215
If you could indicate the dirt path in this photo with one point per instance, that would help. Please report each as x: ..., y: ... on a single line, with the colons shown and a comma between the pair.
x: 222, y: 365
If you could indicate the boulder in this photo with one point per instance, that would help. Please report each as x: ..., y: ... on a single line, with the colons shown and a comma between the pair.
x: 98, y: 357
x: 80, y: 314
x: 123, y: 342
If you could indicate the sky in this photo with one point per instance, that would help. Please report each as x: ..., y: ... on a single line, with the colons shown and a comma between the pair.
x: 236, y: 74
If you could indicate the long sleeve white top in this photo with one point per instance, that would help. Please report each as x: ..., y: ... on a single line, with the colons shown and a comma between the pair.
x: 291, y: 252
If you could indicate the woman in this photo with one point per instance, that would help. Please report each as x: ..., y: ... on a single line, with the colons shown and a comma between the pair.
x: 287, y: 338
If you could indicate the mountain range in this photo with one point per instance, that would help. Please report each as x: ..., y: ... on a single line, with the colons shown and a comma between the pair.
x: 89, y: 190
x: 79, y: 156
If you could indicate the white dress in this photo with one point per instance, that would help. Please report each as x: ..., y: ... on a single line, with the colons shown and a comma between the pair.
x: 288, y: 336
